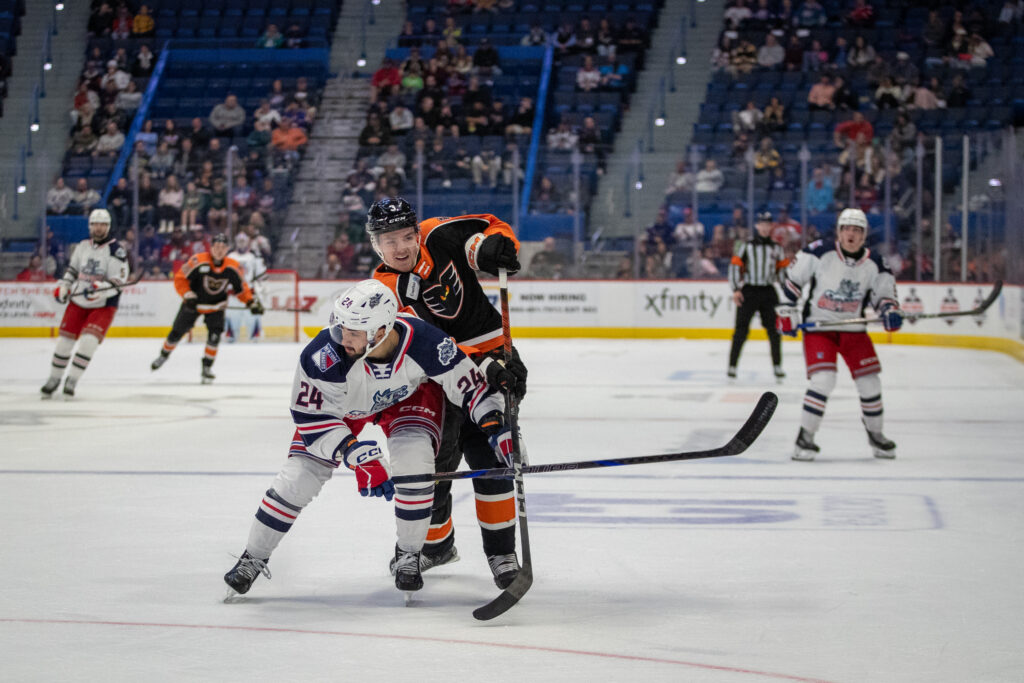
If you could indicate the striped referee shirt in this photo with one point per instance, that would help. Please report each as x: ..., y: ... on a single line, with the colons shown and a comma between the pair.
x: 757, y: 263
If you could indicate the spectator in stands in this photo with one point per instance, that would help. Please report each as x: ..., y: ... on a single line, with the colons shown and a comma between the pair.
x: 774, y: 116
x: 843, y: 98
x: 331, y: 269
x: 929, y: 96
x: 536, y: 37
x: 876, y: 71
x: 904, y: 134
x: 217, y: 214
x: 787, y: 231
x: 148, y: 198
x: 216, y: 155
x: 738, y: 152
x: 588, y: 77
x: 771, y: 54
x: 748, y: 119
x: 606, y: 38
x: 810, y: 15
x: 199, y: 134
x: 632, y: 38
x: 343, y: 249
x: 549, y: 262
x: 742, y: 58
x: 866, y: 194
x: 116, y: 75
x: 564, y: 39
x: 409, y: 37
x: 815, y: 58
x: 266, y: 114
x: 562, y: 138
x: 586, y: 37
x: 129, y: 100
x: 58, y: 198
x: 849, y: 131
x: 819, y: 191
x: 110, y: 143
x: 162, y: 161
x: 412, y: 80
x: 110, y: 114
x: 959, y: 93
x: 682, y: 180
x: 590, y: 141
x: 83, y: 142
x: 271, y: 38
x: 193, y: 206
x: 400, y: 119
x: 904, y: 70
x: 169, y: 203
x: 767, y: 157
x: 521, y: 122
x: 688, y: 234
x: 228, y: 118
x: 661, y: 229
x: 34, y: 271
x: 149, y: 247
x: 862, y: 15
x: 736, y: 13
x: 56, y: 256
x: 119, y: 202
x: 288, y: 140
x: 486, y: 164
x: 101, y: 21
x: 374, y: 134
x: 259, y: 139
x: 861, y: 54
x: 122, y: 26
x: 143, y: 25
x: 888, y: 94
x: 277, y: 96
x: 413, y: 61
x: 303, y: 96
x: 392, y: 156
x: 462, y: 64
x: 779, y: 180
x: 297, y: 116
x: 614, y: 74
x: 657, y: 260
x: 709, y: 178
x: 547, y: 198
x: 793, y: 56
x: 145, y: 62
x: 84, y: 198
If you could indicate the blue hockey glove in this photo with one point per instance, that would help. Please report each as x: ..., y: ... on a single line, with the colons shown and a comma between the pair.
x: 372, y: 476
x: 891, y: 315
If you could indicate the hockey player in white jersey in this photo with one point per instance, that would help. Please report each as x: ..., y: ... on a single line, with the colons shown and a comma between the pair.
x: 842, y: 276
x: 254, y: 270
x: 91, y: 287
x: 372, y: 366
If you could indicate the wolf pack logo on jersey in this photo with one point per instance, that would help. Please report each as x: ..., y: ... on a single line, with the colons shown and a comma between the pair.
x: 912, y: 305
x: 93, y: 267
x: 388, y: 397
x: 214, y: 285
x: 950, y: 305
x: 326, y: 358
x: 844, y: 299
x: 446, y: 351
x: 445, y: 298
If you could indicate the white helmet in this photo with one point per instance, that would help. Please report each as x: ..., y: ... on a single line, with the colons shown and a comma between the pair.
x: 99, y: 216
x: 369, y: 305
x: 852, y: 217
x: 241, y: 241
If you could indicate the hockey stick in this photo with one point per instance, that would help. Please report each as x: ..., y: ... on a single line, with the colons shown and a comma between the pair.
x: 524, y: 579
x: 132, y: 281
x: 912, y: 317
x: 742, y: 440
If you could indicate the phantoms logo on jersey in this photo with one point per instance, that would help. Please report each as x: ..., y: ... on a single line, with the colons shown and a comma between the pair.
x: 844, y: 299
x: 326, y: 358
x: 388, y: 397
x: 446, y: 351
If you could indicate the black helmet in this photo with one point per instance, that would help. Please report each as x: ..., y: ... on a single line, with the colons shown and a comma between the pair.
x: 390, y: 213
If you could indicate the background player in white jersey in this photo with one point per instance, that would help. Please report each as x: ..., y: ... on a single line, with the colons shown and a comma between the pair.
x: 91, y: 286
x: 253, y: 271
x: 371, y: 367
x: 843, y: 276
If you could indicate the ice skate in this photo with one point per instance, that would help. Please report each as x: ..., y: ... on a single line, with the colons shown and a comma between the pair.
x: 242, y: 575
x: 69, y: 387
x: 881, y: 447
x: 407, y: 571
x: 780, y: 374
x: 505, y: 569
x: 160, y: 360
x: 446, y: 556
x: 50, y: 387
x: 731, y: 372
x: 206, y: 377
x: 805, y: 449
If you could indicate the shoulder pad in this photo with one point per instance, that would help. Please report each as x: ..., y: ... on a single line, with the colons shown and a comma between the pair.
x: 879, y: 261
x: 819, y: 248
x: 321, y: 357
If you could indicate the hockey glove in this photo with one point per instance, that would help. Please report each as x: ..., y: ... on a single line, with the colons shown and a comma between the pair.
x: 190, y: 300
x: 62, y: 292
x: 88, y: 291
x: 788, y: 320
x: 372, y: 476
x: 506, y: 377
x: 499, y: 435
x: 255, y: 307
x: 891, y: 315
x: 497, y: 251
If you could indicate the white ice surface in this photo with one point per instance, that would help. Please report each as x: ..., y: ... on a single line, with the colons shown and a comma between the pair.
x: 123, y: 507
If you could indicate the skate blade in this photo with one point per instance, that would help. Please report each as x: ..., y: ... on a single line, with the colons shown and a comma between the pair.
x: 233, y: 597
x: 206, y: 381
x: 802, y: 455
x: 408, y: 598
x: 885, y: 455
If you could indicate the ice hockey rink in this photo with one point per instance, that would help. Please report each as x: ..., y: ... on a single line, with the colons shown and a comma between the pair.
x: 123, y: 509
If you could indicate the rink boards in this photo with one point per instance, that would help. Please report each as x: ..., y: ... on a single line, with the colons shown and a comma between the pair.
x: 648, y: 309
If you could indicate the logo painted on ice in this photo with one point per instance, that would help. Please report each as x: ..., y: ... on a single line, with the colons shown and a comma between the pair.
x: 388, y: 397
x: 446, y: 351
x: 326, y: 358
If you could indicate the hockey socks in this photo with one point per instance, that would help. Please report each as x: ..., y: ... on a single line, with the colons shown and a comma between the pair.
x: 61, y: 358
x: 295, y: 486
x: 870, y: 389
x: 87, y: 345
x: 815, y: 398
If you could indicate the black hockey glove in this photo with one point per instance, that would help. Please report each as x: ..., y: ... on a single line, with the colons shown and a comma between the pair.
x: 497, y: 251
x: 506, y: 377
x: 255, y: 307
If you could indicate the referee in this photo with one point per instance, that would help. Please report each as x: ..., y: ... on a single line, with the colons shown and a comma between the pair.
x: 753, y: 272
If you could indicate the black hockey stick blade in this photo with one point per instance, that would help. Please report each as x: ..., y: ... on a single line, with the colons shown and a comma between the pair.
x: 508, y: 597
x: 740, y: 442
